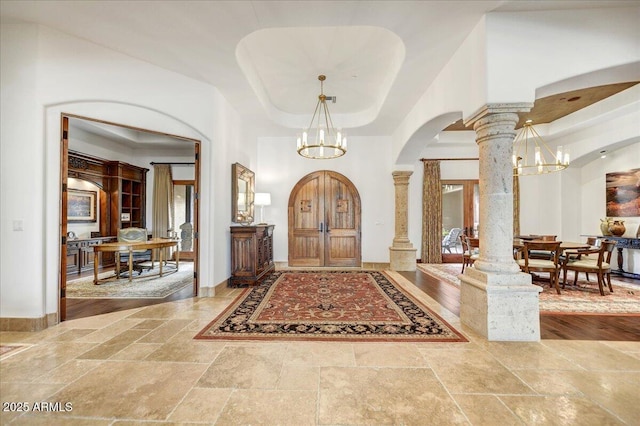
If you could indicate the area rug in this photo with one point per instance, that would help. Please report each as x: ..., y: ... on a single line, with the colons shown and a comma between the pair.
x: 584, y: 298
x: 329, y: 306
x: 147, y: 286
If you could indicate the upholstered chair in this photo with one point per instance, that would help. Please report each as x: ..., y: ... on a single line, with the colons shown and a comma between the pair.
x: 597, y: 262
x: 547, y: 259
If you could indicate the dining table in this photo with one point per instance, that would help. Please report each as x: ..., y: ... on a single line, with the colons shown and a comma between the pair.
x: 518, y: 243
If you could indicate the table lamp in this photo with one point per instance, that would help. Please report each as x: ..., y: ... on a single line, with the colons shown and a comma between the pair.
x: 262, y: 199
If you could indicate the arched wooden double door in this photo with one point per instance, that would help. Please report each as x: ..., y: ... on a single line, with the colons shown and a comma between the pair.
x: 324, y: 221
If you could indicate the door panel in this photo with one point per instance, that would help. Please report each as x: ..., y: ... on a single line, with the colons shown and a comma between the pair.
x: 324, y: 221
x: 342, y: 223
x: 306, y: 223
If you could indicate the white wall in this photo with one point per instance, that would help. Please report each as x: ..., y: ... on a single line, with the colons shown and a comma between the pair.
x: 45, y: 73
x: 509, y: 55
x: 593, y: 201
x: 367, y: 164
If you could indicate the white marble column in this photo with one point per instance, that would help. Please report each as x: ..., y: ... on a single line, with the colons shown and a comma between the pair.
x: 402, y: 254
x: 496, y: 299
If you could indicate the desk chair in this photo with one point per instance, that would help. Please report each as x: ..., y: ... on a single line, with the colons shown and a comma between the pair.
x: 131, y: 235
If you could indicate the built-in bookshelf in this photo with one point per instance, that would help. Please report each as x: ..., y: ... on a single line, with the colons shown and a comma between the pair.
x: 129, y: 199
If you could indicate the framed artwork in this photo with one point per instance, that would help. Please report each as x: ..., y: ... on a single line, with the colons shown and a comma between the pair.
x: 81, y: 205
x: 623, y: 193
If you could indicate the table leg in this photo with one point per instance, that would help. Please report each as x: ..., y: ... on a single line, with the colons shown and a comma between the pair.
x: 160, y: 250
x: 95, y: 268
x: 177, y: 259
x: 130, y: 264
x: 620, y: 259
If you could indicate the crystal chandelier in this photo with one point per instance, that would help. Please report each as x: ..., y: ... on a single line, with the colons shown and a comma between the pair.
x: 321, y: 140
x: 532, y: 156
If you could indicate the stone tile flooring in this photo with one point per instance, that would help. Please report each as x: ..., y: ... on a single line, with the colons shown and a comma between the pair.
x: 142, y: 366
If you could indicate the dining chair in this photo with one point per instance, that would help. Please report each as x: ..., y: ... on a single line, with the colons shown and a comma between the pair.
x: 470, y: 250
x: 591, y: 241
x: 601, y: 266
x: 550, y: 263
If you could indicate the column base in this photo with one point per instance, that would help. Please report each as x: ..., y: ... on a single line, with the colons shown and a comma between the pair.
x: 402, y: 258
x: 501, y: 307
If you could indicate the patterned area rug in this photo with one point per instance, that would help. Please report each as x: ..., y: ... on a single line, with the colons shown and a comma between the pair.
x: 147, y: 286
x: 580, y: 299
x: 336, y: 305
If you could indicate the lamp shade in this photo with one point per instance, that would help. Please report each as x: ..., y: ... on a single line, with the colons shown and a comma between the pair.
x: 262, y: 199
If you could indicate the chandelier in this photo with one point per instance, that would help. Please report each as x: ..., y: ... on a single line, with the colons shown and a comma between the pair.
x: 321, y: 140
x: 532, y: 156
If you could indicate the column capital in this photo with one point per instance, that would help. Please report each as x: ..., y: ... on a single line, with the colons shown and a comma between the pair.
x: 498, y: 108
x: 401, y: 177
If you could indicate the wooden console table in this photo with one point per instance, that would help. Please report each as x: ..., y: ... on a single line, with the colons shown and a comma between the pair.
x: 155, y: 244
x: 251, y: 254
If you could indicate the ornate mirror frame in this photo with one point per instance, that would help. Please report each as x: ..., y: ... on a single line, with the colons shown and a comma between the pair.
x: 242, y: 194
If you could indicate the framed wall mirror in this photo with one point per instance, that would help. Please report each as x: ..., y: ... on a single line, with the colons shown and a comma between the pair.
x: 242, y: 193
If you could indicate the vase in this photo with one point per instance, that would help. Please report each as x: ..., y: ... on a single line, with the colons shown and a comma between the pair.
x: 604, y: 226
x: 617, y: 228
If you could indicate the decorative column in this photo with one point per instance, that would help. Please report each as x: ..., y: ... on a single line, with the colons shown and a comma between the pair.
x: 402, y: 254
x: 496, y: 299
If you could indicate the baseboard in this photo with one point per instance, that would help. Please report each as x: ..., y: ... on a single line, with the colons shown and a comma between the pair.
x: 377, y: 266
x: 212, y: 291
x: 28, y: 324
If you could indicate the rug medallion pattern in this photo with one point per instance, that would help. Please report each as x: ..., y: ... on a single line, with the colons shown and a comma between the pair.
x: 343, y: 305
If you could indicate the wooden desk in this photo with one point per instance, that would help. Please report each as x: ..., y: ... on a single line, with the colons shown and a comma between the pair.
x: 117, y: 247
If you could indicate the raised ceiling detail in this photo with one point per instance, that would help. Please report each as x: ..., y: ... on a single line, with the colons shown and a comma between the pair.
x: 282, y: 65
x: 551, y: 108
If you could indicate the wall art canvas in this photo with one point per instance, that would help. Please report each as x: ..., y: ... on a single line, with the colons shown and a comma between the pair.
x: 81, y: 205
x: 623, y: 193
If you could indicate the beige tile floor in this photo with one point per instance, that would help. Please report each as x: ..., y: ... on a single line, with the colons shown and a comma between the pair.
x: 142, y: 366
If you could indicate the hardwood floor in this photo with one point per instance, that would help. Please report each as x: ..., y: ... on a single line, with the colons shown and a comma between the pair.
x: 81, y: 308
x: 552, y: 326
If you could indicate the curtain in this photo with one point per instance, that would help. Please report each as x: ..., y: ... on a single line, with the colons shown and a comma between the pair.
x: 163, y: 214
x: 431, y: 213
x: 516, y: 205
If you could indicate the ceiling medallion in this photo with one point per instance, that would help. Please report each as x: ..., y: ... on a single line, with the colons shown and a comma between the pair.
x: 321, y: 140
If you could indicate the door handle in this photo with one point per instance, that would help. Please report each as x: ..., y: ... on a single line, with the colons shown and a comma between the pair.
x: 321, y: 227
x: 328, y: 230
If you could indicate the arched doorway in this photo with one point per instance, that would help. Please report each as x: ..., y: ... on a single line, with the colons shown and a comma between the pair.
x: 122, y: 189
x: 324, y: 221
